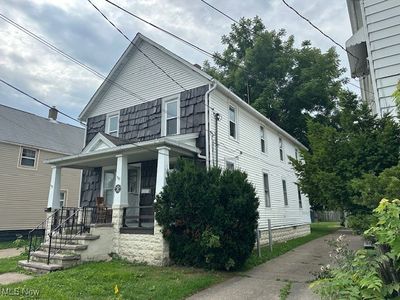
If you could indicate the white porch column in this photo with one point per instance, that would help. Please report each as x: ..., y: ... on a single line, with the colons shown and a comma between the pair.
x: 162, y: 167
x: 121, y: 182
x: 53, y: 201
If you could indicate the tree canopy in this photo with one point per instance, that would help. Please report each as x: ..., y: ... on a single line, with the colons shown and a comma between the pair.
x: 353, y: 143
x: 285, y: 83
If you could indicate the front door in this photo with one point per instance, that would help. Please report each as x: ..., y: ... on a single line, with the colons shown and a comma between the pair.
x: 133, y: 196
x: 108, y: 187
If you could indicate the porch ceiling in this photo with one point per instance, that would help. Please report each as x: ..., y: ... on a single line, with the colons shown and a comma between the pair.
x: 135, y: 152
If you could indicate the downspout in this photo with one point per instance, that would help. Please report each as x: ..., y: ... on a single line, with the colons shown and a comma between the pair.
x: 207, y: 119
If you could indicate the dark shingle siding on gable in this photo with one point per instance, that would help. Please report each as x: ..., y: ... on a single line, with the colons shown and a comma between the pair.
x: 193, y: 114
x: 141, y: 122
x: 95, y: 125
x: 90, y: 188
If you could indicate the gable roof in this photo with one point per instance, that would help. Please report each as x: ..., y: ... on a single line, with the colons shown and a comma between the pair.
x: 222, y: 88
x: 24, y: 128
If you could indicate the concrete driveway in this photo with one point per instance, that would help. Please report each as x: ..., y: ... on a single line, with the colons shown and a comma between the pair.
x: 266, y: 280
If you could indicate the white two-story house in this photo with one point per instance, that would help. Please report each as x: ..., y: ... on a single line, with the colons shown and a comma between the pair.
x: 153, y: 108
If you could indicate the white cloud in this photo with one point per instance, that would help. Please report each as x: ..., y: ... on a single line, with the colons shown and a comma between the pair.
x: 75, y: 27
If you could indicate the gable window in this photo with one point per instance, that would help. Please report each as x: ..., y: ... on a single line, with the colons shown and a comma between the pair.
x: 299, y: 196
x: 63, y: 198
x: 281, y: 149
x: 232, y: 122
x: 28, y: 157
x: 230, y: 166
x: 262, y: 139
x: 112, y: 125
x: 285, y: 196
x: 266, y: 191
x: 171, y: 117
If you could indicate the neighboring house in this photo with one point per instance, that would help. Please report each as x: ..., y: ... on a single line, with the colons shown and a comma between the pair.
x: 134, y: 136
x: 26, y: 140
x: 375, y: 51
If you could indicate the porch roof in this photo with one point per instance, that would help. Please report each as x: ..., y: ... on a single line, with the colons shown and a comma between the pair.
x: 101, y: 151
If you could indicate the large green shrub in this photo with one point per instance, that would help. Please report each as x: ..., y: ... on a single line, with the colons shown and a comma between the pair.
x: 209, y: 217
x: 373, y: 274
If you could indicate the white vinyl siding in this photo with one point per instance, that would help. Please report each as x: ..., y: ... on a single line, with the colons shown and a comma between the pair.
x: 247, y: 157
x: 144, y: 79
x: 381, y: 20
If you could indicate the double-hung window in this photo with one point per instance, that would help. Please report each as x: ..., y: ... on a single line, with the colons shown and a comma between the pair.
x: 112, y: 125
x: 63, y: 198
x: 28, y: 158
x: 285, y: 196
x: 171, y: 117
x: 296, y: 153
x: 266, y: 191
x: 281, y: 149
x: 299, y: 196
x: 262, y: 139
x: 232, y: 122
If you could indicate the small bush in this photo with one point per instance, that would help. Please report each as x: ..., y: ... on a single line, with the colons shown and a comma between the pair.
x: 209, y: 217
x: 372, y: 274
x: 360, y: 222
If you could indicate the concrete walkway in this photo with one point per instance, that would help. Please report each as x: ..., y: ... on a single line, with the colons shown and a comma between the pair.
x: 13, y: 277
x: 10, y: 252
x: 266, y: 280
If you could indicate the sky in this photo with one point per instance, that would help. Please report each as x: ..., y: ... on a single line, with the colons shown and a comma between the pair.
x: 79, y: 30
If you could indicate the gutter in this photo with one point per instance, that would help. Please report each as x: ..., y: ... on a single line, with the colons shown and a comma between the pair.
x: 207, y: 117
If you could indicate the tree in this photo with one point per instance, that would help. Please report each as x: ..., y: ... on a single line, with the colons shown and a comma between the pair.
x: 286, y: 84
x: 208, y: 217
x: 352, y: 143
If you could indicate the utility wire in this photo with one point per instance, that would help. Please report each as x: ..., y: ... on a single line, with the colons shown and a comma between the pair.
x: 132, y: 43
x: 336, y: 43
x: 39, y: 101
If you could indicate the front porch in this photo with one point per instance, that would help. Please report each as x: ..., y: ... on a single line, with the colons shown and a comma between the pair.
x: 120, y: 182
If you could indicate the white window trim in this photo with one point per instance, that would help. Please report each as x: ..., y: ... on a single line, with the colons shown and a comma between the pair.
x: 269, y: 189
x: 283, y: 149
x: 287, y: 192
x: 236, y: 138
x: 20, y: 166
x: 264, y: 138
x: 164, y: 102
x: 110, y: 115
x: 65, y: 191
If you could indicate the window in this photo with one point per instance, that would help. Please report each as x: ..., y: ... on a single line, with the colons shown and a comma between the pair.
x: 230, y: 165
x: 285, y: 197
x: 262, y: 139
x: 112, y: 124
x: 63, y: 198
x: 171, y: 120
x: 299, y: 196
x: 232, y: 122
x: 28, y: 157
x: 296, y: 153
x: 266, y: 191
x: 281, y: 149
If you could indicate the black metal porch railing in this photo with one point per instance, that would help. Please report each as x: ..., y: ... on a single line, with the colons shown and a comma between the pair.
x: 138, y: 216
x: 37, y: 235
x: 66, y: 224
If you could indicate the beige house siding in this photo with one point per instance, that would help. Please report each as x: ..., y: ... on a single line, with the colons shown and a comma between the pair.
x: 23, y: 192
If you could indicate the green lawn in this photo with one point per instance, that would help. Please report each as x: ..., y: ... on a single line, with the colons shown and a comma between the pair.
x: 10, y: 264
x: 98, y: 280
x: 317, y: 230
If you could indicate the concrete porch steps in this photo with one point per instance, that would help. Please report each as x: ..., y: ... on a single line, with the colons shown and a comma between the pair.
x: 38, y: 267
x: 72, y: 247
